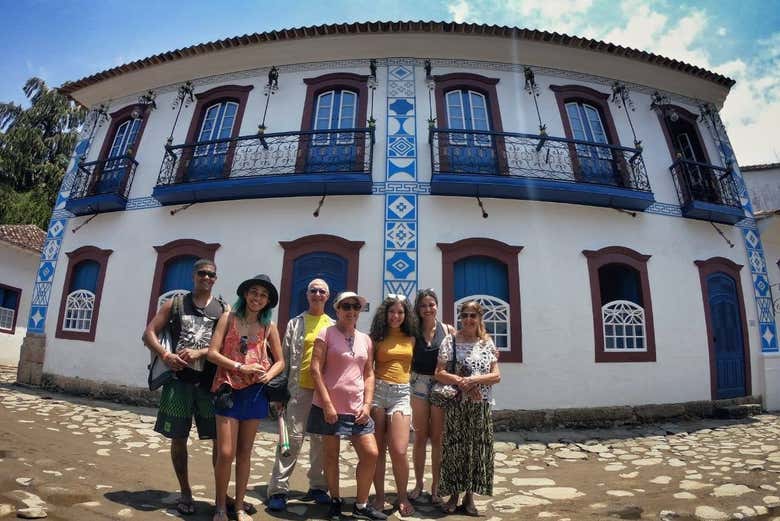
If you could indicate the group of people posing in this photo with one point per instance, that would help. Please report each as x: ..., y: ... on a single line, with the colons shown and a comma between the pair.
x: 343, y: 383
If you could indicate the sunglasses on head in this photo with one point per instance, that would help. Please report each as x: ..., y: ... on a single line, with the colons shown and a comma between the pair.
x: 207, y: 273
x: 318, y: 291
x: 469, y: 314
x: 350, y: 306
x: 396, y: 296
x: 243, y: 344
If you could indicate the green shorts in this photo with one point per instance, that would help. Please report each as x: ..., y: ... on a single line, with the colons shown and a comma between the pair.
x: 180, y: 401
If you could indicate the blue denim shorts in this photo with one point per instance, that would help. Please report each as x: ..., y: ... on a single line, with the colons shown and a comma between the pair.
x: 392, y: 398
x: 422, y: 385
x: 345, y: 426
x: 249, y: 403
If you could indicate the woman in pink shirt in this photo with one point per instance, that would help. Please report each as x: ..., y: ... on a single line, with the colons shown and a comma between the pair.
x: 342, y: 367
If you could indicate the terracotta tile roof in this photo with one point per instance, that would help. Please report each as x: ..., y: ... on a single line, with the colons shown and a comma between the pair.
x: 27, y: 236
x: 400, y: 27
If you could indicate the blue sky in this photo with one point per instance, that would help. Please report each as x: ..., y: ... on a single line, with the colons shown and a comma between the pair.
x: 61, y: 40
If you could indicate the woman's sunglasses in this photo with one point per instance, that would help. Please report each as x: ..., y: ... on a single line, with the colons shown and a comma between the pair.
x: 467, y: 314
x: 350, y: 307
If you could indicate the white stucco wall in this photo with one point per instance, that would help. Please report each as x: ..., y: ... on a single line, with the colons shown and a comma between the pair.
x: 558, y: 368
x: 764, y: 188
x: 17, y: 269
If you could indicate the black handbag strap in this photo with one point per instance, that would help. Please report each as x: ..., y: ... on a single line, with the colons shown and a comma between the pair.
x: 454, y: 359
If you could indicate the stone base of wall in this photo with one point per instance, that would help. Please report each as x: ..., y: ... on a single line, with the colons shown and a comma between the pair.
x: 503, y: 420
x: 101, y: 390
x: 616, y: 416
x: 31, y: 356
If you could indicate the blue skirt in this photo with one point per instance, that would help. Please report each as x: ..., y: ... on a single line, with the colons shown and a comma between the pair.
x: 249, y: 403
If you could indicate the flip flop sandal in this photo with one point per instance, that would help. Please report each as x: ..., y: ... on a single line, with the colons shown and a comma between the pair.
x: 449, y: 507
x: 470, y: 510
x: 405, y: 510
x: 436, y: 500
x: 185, y: 506
x: 220, y: 515
x: 415, y: 494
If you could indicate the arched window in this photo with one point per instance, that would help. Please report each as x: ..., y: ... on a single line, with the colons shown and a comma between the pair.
x: 81, y: 293
x: 485, y: 270
x: 333, y: 259
x: 173, y: 269
x: 586, y: 117
x: 333, y: 102
x: 217, y: 115
x: 119, y: 148
x: 622, y: 310
x: 468, y: 102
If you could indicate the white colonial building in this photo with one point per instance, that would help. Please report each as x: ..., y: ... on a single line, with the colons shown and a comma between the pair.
x: 20, y: 251
x: 586, y: 193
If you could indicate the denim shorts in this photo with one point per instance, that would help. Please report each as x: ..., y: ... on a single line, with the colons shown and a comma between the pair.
x: 392, y: 397
x: 249, y: 403
x: 345, y: 426
x: 422, y: 385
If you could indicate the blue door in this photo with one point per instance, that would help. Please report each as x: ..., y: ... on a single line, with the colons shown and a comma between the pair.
x: 208, y: 161
x: 485, y: 280
x: 112, y: 178
x: 596, y: 164
x: 318, y: 265
x: 333, y: 152
x: 469, y: 153
x: 726, y: 335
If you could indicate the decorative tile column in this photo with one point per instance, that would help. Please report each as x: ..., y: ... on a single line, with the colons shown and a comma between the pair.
x: 33, y: 348
x: 401, y: 187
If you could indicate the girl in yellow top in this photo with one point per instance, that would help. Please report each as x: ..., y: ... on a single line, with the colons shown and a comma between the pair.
x: 393, y: 333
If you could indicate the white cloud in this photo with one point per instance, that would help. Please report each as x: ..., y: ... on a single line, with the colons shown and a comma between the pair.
x: 752, y: 109
x: 459, y: 10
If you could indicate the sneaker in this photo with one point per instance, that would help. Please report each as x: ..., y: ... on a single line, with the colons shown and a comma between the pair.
x: 334, y: 513
x: 317, y: 495
x: 368, y: 512
x: 277, y: 502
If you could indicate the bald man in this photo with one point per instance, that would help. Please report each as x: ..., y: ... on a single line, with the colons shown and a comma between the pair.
x: 297, y: 347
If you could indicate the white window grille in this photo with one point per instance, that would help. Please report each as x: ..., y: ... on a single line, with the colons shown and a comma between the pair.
x: 169, y: 295
x: 7, y: 318
x: 495, y: 317
x: 78, y: 311
x: 624, y: 326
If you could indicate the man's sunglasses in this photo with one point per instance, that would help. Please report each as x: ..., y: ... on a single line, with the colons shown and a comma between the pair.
x: 207, y: 273
x: 346, y: 306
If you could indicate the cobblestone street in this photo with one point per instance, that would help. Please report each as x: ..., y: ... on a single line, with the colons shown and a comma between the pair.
x: 83, y: 459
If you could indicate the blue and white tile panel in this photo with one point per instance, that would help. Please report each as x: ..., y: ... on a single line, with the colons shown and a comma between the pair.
x: 52, y: 245
x: 401, y: 188
x: 755, y: 257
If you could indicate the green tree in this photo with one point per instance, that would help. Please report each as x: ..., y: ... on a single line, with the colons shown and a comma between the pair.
x: 35, y: 147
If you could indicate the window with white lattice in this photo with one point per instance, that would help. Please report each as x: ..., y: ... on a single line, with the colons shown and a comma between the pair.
x: 622, y: 309
x: 78, y: 311
x: 165, y: 297
x: 624, y: 326
x: 495, y: 317
x: 81, y: 293
x: 9, y: 308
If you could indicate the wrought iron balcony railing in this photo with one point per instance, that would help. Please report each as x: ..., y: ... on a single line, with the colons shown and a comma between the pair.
x: 704, y: 183
x: 322, y: 152
x: 528, y: 156
x: 112, y: 176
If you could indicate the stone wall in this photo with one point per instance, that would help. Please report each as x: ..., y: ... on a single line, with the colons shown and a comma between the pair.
x: 31, y: 356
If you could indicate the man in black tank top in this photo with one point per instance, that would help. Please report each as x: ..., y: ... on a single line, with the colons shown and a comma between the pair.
x: 188, y: 395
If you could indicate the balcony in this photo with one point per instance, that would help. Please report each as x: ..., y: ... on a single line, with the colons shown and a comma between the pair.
x: 707, y: 192
x: 536, y: 167
x: 102, y: 186
x: 285, y: 164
